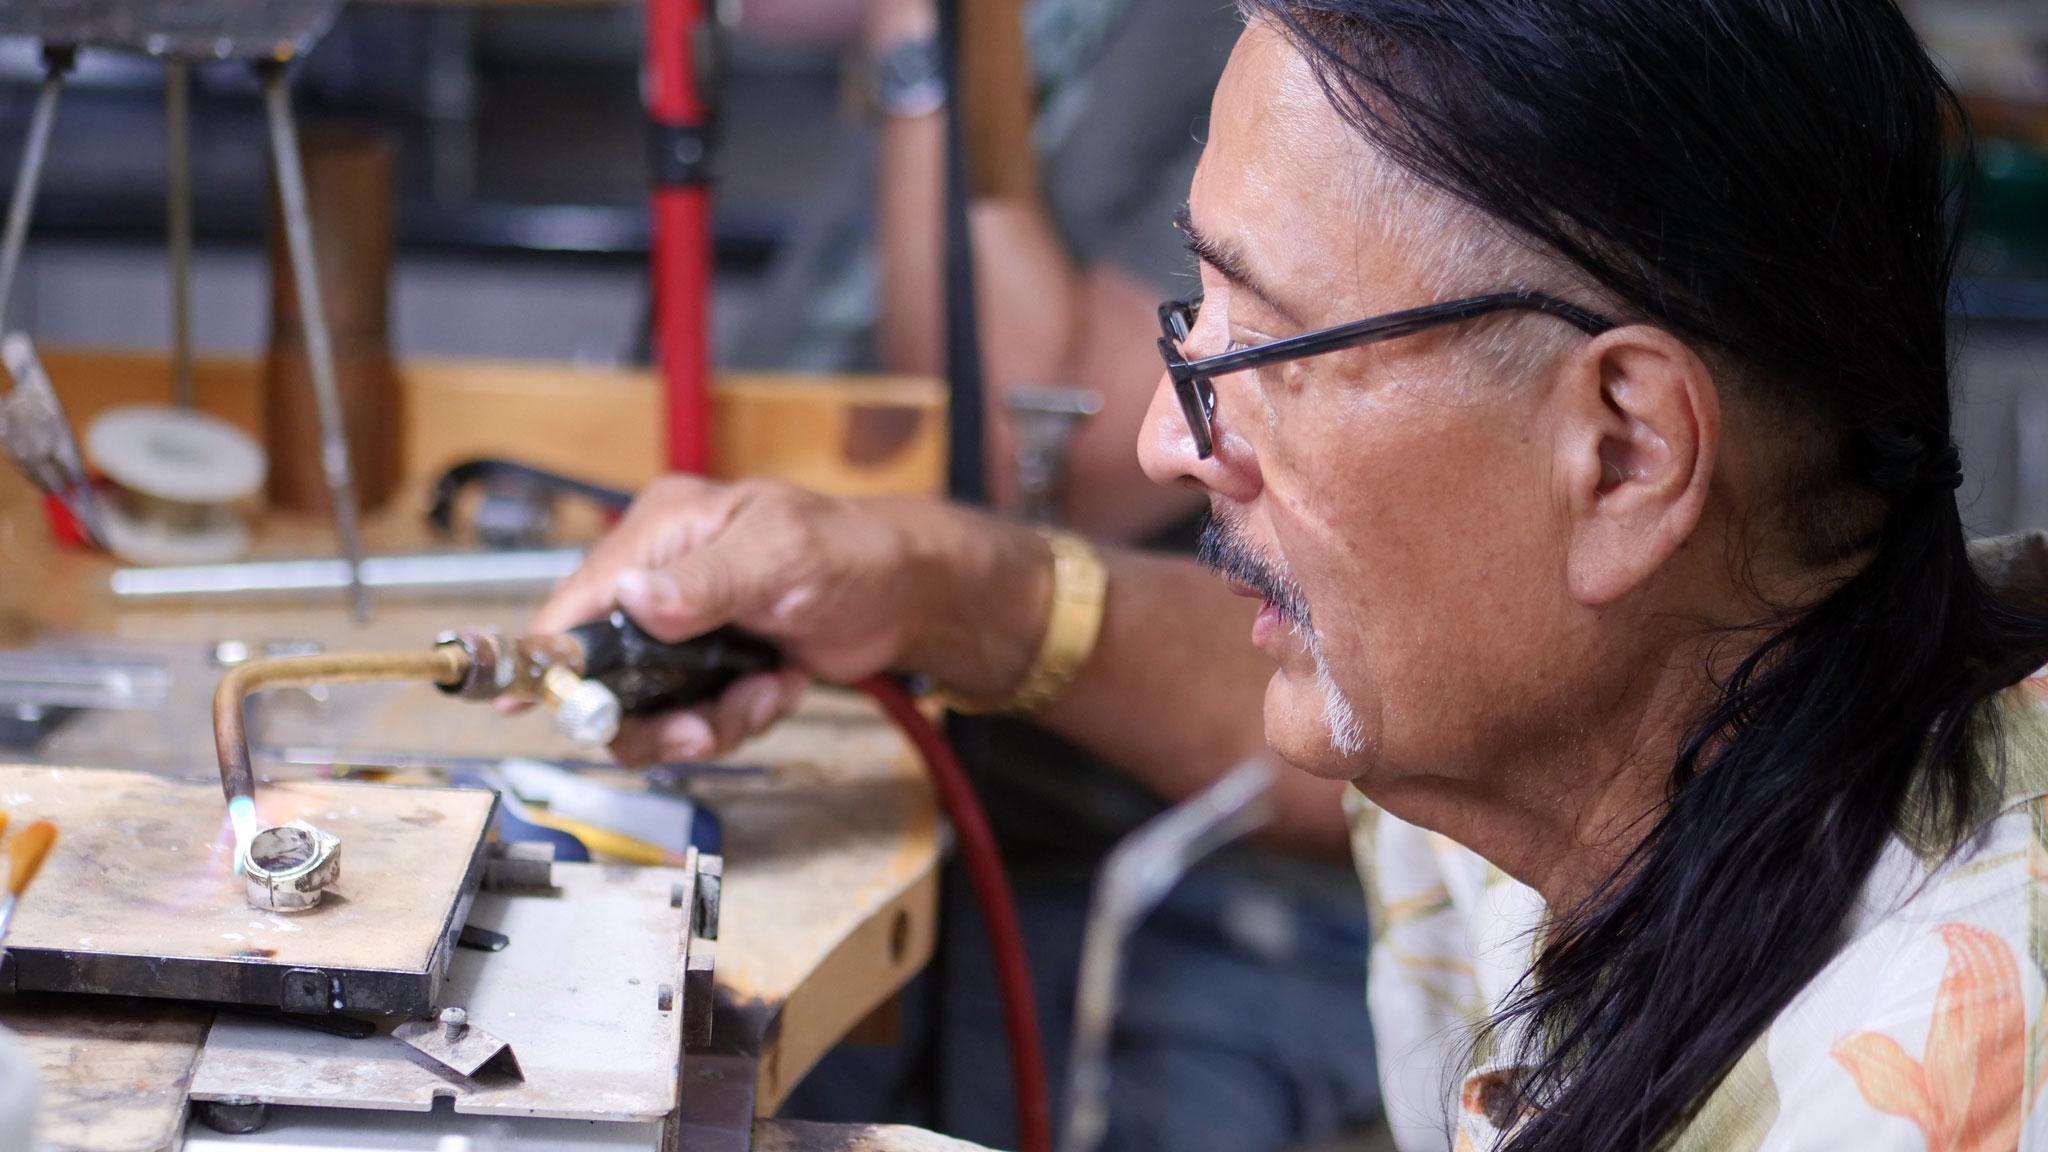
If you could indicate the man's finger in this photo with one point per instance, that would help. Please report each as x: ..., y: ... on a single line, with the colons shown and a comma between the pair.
x: 584, y: 596
x: 675, y: 736
x: 745, y: 710
x: 693, y: 594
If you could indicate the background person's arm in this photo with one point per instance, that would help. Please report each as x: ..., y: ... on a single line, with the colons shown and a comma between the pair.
x: 1044, y: 320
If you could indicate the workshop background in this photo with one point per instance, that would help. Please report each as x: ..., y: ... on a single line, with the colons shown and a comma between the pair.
x: 519, y: 178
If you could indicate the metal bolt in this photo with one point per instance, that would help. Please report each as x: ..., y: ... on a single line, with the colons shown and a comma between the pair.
x: 665, y: 999
x: 455, y: 1022
x: 235, y: 1116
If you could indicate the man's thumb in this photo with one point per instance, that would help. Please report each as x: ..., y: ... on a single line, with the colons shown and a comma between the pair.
x: 673, y: 606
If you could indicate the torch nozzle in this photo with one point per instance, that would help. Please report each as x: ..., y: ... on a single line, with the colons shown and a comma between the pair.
x: 444, y: 665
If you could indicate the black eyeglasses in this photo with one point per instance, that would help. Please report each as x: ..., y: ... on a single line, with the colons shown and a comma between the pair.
x: 1198, y: 396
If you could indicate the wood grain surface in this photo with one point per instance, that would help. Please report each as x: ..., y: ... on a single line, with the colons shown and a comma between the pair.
x: 113, y: 1072
x: 851, y: 435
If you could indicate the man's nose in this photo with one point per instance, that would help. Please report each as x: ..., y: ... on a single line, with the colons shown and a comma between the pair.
x: 1166, y: 451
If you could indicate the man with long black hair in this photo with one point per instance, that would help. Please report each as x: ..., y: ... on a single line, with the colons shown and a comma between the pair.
x: 1569, y: 387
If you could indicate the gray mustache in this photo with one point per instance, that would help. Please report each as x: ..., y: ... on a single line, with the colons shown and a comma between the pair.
x: 1224, y: 550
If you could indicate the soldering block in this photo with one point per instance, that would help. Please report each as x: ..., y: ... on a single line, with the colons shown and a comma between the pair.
x: 140, y: 897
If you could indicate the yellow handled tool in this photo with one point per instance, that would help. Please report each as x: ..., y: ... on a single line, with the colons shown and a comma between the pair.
x: 24, y: 859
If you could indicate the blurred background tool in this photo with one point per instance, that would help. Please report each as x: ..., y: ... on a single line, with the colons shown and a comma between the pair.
x: 269, y: 36
x: 1140, y: 872
x: 177, y: 478
x: 44, y: 686
x: 425, y: 574
x: 1045, y: 421
x: 349, y: 212
x: 25, y: 855
x: 679, y: 45
x: 518, y: 501
x: 38, y: 437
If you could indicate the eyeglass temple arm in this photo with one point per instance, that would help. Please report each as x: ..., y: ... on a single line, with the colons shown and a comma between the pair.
x: 1399, y: 324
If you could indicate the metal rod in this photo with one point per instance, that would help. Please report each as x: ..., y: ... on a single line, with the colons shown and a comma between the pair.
x: 298, y: 230
x: 441, y: 664
x: 30, y: 174
x: 458, y: 573
x: 178, y: 198
x: 1138, y: 875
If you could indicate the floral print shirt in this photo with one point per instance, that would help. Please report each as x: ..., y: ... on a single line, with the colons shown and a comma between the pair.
x: 1926, y: 1031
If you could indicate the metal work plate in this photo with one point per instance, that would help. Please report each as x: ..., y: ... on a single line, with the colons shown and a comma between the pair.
x: 186, y: 29
x: 576, y: 994
x: 139, y: 899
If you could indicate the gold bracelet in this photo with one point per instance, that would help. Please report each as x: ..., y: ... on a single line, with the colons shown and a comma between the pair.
x: 1080, y: 592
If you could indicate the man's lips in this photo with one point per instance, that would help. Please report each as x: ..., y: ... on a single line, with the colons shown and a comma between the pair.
x: 1267, y: 624
x: 1240, y: 588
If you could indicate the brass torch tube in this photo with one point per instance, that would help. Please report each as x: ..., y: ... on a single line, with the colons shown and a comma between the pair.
x: 446, y: 665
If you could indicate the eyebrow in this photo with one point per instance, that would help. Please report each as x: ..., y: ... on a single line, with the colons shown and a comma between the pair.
x: 1227, y: 261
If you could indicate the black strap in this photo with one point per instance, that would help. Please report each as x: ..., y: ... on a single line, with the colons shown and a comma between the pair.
x: 966, y: 463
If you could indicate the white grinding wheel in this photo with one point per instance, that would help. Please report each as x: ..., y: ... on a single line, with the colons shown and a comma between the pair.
x: 222, y: 539
x: 179, y: 458
x: 176, y: 455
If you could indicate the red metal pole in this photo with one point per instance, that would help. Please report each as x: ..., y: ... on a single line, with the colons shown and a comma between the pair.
x: 681, y: 248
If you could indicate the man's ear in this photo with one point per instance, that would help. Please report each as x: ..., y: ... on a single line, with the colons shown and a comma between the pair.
x: 1642, y: 424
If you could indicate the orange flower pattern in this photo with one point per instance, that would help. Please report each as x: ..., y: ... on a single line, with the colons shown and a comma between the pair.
x: 1965, y: 1094
x: 1947, y: 951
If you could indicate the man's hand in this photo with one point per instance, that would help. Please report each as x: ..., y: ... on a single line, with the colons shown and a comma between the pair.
x: 846, y: 588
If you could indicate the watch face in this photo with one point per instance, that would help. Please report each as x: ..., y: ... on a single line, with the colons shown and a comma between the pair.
x: 909, y: 80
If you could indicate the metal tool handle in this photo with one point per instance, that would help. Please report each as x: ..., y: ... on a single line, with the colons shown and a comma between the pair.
x: 648, y: 675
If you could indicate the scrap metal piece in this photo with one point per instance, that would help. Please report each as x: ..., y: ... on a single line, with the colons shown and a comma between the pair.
x: 291, y: 866
x: 483, y: 939
x: 457, y: 1045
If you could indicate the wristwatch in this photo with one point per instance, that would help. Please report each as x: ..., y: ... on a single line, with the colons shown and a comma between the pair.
x: 908, y: 79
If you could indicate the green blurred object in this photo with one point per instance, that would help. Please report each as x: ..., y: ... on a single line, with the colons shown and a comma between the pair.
x: 2010, y: 205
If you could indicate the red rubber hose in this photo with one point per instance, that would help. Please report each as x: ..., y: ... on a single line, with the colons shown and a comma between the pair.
x: 998, y: 908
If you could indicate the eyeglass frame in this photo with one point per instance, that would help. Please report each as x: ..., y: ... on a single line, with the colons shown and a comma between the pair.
x: 1192, y: 384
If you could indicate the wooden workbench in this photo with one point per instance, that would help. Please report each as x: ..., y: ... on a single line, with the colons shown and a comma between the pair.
x: 831, y: 857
